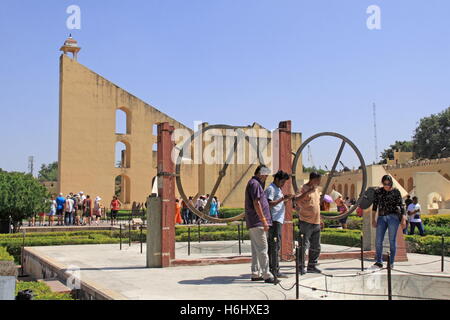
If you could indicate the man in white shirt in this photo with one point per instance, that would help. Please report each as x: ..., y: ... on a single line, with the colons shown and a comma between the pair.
x: 414, y: 217
x: 277, y: 202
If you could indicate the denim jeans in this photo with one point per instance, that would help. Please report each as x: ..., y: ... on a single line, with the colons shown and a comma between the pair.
x: 419, y: 226
x: 388, y: 222
x: 68, y: 218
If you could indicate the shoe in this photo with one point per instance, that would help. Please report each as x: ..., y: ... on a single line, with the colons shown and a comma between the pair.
x: 313, y: 270
x: 257, y: 279
x: 272, y: 280
x: 282, y: 275
x: 378, y: 265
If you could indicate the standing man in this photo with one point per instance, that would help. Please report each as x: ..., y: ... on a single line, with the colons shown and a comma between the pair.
x: 258, y: 220
x: 408, y: 201
x: 277, y: 201
x: 414, y: 216
x: 68, y: 208
x: 308, y: 208
x: 60, y: 203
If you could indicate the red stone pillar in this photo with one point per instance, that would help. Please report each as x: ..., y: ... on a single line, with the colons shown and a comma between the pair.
x: 166, y: 191
x: 401, y: 252
x: 285, y: 164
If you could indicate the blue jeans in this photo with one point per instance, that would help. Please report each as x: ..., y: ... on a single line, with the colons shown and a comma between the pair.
x: 419, y: 225
x: 68, y: 218
x: 391, y: 223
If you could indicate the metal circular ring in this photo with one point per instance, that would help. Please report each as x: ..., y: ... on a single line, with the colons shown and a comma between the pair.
x: 221, y: 173
x: 345, y: 140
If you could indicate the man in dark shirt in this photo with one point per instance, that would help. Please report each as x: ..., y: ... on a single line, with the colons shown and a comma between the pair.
x: 391, y: 213
x: 258, y: 220
x: 408, y: 201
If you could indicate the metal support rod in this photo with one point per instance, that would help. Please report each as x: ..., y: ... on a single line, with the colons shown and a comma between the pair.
x: 198, y: 231
x: 302, y: 255
x: 362, y: 253
x: 9, y: 225
x: 189, y: 241
x: 140, y: 237
x: 389, y: 276
x: 297, y: 265
x: 442, y: 253
x: 129, y: 233
x: 120, y: 235
x: 239, y: 238
x: 242, y: 230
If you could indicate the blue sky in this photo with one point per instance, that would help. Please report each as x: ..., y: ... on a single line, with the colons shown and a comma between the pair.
x: 234, y: 62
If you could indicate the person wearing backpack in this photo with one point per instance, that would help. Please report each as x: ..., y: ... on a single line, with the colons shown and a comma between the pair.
x: 388, y: 204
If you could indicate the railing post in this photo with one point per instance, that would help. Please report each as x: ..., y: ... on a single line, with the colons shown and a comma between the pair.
x: 297, y: 265
x: 242, y: 230
x: 239, y: 238
x: 442, y: 253
x: 189, y: 240
x: 21, y: 253
x: 129, y: 233
x: 140, y: 237
x: 198, y: 231
x: 389, y: 276
x: 120, y: 235
x: 302, y: 260
x: 362, y: 252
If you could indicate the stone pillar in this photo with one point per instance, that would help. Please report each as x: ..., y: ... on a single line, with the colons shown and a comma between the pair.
x: 285, y: 164
x: 154, y: 232
x: 166, y: 191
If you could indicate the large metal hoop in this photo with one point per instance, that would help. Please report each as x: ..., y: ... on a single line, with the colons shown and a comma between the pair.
x: 345, y: 141
x: 222, y: 172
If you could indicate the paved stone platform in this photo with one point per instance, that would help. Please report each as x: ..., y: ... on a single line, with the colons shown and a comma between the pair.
x: 121, y: 274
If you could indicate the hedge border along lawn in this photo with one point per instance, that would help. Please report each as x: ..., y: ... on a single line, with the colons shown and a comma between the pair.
x: 41, y: 291
x: 4, y: 255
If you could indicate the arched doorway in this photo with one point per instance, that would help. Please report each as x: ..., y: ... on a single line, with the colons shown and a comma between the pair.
x: 122, y: 188
x: 352, y: 191
x: 401, y: 182
x: 339, y: 188
x: 123, y: 155
x: 123, y: 121
x: 345, y: 190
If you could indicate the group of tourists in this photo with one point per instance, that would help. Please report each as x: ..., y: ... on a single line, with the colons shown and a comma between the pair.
x: 75, y: 209
x: 184, y: 215
x: 265, y: 211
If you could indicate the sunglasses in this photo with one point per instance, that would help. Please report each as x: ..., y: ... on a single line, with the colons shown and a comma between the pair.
x: 387, y: 185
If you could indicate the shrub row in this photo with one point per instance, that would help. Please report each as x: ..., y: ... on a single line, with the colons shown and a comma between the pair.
x: 428, y: 244
x: 41, y: 291
x: 4, y: 255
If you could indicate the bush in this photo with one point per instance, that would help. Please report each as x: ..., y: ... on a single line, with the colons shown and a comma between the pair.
x: 440, y: 220
x: 230, y: 212
x: 21, y: 197
x: 4, y: 255
x: 435, y: 231
x: 41, y: 291
x: 428, y: 244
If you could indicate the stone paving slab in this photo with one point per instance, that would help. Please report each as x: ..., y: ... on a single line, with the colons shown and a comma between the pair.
x: 124, y: 272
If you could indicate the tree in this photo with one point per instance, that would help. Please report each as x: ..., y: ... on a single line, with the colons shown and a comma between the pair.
x: 403, y: 146
x: 21, y: 197
x: 314, y: 169
x: 432, y: 136
x: 49, y: 172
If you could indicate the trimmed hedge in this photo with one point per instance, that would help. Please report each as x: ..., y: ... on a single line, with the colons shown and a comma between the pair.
x: 4, y: 255
x: 439, y: 220
x: 428, y: 244
x: 41, y: 291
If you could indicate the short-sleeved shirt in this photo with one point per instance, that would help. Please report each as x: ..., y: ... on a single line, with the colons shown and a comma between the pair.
x: 69, y: 205
x: 60, y: 201
x: 115, y: 205
x: 309, y: 206
x: 274, y: 193
x: 414, y: 217
x: 255, y: 191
